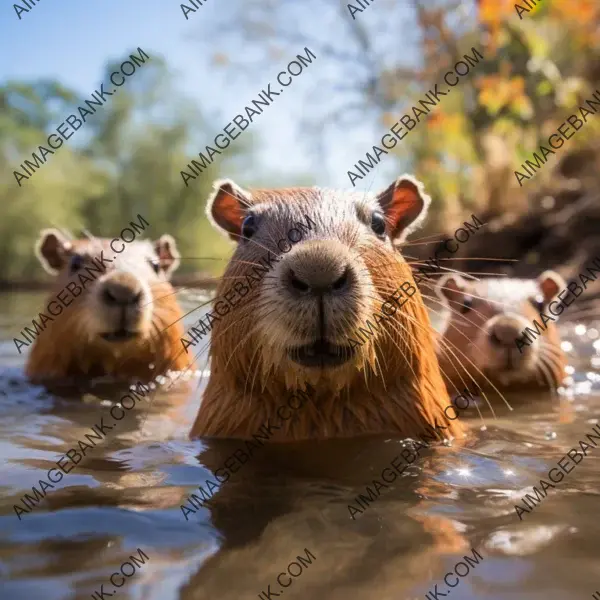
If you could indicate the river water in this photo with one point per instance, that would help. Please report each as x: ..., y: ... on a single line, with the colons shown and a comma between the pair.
x: 287, y: 510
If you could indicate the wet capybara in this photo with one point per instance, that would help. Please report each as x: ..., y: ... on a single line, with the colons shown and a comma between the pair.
x: 112, y: 311
x: 297, y: 326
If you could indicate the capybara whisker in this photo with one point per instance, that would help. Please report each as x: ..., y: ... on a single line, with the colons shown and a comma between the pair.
x: 492, y: 314
x: 334, y: 257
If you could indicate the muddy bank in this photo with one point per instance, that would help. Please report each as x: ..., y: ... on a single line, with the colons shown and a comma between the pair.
x: 559, y: 229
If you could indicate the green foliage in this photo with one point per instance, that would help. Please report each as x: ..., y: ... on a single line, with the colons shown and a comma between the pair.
x: 537, y: 68
x: 125, y: 160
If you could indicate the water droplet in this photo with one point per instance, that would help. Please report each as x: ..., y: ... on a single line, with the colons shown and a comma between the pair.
x: 547, y: 202
x: 583, y: 387
x: 550, y: 435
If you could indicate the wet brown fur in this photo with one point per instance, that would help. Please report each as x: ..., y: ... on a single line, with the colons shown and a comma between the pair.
x: 64, y: 350
x: 393, y: 386
x: 460, y: 330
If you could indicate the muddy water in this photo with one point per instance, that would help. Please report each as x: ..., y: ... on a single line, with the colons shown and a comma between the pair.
x: 128, y: 491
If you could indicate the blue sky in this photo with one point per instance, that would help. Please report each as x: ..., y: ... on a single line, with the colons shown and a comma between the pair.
x: 71, y: 40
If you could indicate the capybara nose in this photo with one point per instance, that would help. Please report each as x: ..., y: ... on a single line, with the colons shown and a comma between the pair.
x: 318, y: 283
x: 318, y: 269
x: 115, y: 293
x: 505, y: 331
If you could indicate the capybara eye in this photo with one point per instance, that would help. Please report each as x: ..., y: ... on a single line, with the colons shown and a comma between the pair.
x: 537, y: 303
x: 249, y: 226
x: 467, y: 305
x: 155, y: 265
x: 76, y: 263
x: 378, y: 223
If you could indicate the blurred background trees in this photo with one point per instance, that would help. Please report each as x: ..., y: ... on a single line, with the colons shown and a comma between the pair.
x: 127, y: 158
x: 124, y: 161
x: 384, y: 58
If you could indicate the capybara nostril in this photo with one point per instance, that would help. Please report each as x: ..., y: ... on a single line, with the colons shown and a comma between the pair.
x: 318, y: 279
x: 318, y: 268
x: 297, y: 283
x: 107, y: 297
x: 504, y: 332
x: 343, y: 281
x: 117, y: 294
x: 494, y: 339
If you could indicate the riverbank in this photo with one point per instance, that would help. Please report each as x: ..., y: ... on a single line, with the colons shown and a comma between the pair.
x: 187, y: 280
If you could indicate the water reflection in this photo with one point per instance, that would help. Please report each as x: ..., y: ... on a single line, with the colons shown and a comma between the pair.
x: 128, y: 494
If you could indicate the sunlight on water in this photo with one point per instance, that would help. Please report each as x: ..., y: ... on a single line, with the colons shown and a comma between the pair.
x: 128, y: 493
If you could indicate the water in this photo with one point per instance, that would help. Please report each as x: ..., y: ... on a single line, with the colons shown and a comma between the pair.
x: 128, y: 492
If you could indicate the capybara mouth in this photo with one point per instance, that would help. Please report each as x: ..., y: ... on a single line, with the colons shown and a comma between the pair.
x: 321, y: 354
x: 122, y: 335
x: 510, y: 364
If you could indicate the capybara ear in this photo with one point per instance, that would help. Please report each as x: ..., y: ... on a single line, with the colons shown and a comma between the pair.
x: 168, y: 255
x: 550, y: 283
x: 451, y: 288
x: 227, y: 207
x: 405, y: 205
x: 52, y: 250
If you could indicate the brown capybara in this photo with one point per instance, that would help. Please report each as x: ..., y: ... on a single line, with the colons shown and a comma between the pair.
x: 112, y: 311
x: 482, y: 338
x: 332, y: 270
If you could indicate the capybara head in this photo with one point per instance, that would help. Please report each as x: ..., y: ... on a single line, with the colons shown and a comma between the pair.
x: 114, y: 308
x: 485, y: 326
x: 312, y: 266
